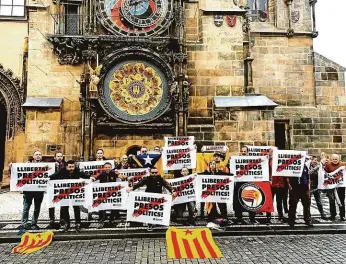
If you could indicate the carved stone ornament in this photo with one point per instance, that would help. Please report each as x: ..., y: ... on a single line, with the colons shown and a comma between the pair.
x: 11, y: 96
x: 218, y: 20
x: 231, y: 20
x: 295, y: 16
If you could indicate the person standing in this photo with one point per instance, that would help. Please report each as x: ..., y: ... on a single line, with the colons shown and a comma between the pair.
x: 59, y: 164
x: 238, y: 209
x: 211, y: 207
x: 299, y: 190
x: 313, y: 171
x: 154, y: 184
x: 70, y: 172
x: 180, y: 208
x: 331, y: 166
x: 100, y: 155
x: 107, y: 175
x: 28, y: 197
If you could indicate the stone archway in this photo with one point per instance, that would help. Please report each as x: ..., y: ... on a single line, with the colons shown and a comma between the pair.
x: 12, y: 95
x: 11, y: 114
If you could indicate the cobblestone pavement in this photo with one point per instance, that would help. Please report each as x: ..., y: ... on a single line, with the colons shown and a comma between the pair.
x: 266, y: 249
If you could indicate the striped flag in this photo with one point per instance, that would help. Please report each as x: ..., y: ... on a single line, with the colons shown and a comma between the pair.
x: 192, y: 243
x: 31, y: 242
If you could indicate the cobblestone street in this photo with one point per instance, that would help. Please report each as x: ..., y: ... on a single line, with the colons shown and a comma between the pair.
x: 267, y: 249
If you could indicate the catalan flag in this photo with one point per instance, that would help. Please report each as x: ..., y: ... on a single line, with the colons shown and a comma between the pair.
x: 192, y: 243
x: 31, y: 242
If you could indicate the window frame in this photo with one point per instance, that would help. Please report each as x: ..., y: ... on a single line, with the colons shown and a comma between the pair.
x: 255, y: 13
x: 11, y: 17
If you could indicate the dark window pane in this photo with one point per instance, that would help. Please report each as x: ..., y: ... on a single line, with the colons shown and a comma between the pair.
x: 71, y: 19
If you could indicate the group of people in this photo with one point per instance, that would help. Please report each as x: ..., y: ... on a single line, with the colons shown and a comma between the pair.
x: 292, y: 189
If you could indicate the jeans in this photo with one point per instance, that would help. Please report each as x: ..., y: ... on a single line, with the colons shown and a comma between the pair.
x: 52, y: 215
x: 180, y: 209
x: 213, y: 213
x: 331, y: 198
x: 341, y: 194
x: 27, y: 201
x: 280, y: 194
x: 317, y: 196
x: 66, y: 215
x: 296, y: 194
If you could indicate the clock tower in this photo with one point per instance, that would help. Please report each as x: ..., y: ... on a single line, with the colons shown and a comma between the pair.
x: 134, y: 83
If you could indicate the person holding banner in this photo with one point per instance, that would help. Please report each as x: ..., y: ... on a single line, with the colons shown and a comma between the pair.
x: 331, y: 166
x: 124, y: 164
x: 299, y: 190
x: 68, y: 173
x: 313, y: 171
x: 211, y: 207
x: 154, y: 184
x: 28, y: 197
x: 59, y: 164
x: 237, y: 207
x: 107, y: 175
x: 180, y: 208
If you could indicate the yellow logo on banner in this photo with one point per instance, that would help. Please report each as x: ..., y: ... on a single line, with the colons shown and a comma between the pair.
x: 31, y: 242
x: 191, y: 243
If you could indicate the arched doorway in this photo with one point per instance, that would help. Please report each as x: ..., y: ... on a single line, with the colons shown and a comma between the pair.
x: 133, y: 150
x: 3, y: 123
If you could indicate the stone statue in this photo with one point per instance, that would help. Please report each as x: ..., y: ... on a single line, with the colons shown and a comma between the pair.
x: 94, y: 78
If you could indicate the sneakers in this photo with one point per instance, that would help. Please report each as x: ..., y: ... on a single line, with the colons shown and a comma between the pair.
x: 253, y: 221
x: 309, y: 224
x: 268, y: 221
x: 342, y: 219
x: 332, y: 218
x: 65, y: 227
x: 100, y: 225
x: 78, y: 230
x: 149, y: 228
x: 51, y: 224
x: 35, y: 227
x: 291, y: 223
x: 212, y: 225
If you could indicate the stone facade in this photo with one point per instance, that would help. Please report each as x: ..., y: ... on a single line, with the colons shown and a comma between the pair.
x: 309, y: 89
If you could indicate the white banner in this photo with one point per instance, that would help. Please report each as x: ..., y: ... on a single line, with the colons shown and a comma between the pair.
x: 176, y: 158
x: 179, y: 141
x: 30, y: 176
x: 288, y: 163
x: 331, y: 180
x: 134, y: 176
x: 106, y: 196
x: 66, y: 192
x: 249, y: 168
x: 184, y: 188
x: 94, y: 168
x: 259, y: 150
x: 214, y: 188
x: 218, y: 148
x: 150, y: 208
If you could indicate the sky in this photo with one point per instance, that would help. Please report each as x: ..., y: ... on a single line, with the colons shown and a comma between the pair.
x: 331, y: 26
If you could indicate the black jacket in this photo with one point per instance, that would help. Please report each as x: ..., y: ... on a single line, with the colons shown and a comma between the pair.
x: 154, y: 184
x: 63, y: 174
x: 107, y: 177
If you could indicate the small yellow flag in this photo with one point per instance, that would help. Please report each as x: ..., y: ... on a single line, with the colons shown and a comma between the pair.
x: 191, y: 243
x: 31, y: 242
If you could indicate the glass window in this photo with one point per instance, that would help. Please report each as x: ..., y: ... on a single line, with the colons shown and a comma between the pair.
x: 258, y: 10
x: 12, y: 8
x: 71, y: 19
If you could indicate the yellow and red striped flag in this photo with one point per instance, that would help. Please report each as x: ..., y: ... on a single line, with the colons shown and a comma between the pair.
x: 192, y: 243
x: 31, y: 242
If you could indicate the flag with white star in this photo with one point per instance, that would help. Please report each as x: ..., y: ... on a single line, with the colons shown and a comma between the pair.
x: 148, y: 160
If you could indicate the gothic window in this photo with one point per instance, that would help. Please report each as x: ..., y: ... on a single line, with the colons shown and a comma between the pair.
x: 71, y: 19
x: 258, y: 10
x: 12, y: 8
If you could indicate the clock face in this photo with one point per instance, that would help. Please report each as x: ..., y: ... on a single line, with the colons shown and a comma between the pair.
x: 136, y: 17
x: 135, y: 91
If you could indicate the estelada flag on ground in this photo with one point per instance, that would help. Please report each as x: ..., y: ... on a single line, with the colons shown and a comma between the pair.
x: 192, y: 243
x: 255, y: 196
x: 31, y: 242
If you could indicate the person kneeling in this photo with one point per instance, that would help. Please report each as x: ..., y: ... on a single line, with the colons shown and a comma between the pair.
x: 107, y: 175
